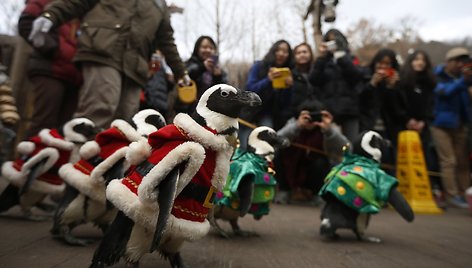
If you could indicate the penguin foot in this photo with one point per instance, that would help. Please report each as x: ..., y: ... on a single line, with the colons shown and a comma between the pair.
x: 372, y: 239
x: 74, y: 241
x: 64, y: 233
x: 38, y: 218
x: 327, y: 233
x: 132, y: 264
x: 176, y: 261
x: 222, y: 233
x: 46, y: 207
x: 245, y: 233
x: 329, y: 237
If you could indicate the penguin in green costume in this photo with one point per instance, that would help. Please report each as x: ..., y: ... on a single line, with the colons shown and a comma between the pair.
x: 357, y: 188
x: 250, y: 186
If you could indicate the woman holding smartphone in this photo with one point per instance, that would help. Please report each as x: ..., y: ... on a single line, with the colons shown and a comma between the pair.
x: 274, y: 110
x: 204, y: 69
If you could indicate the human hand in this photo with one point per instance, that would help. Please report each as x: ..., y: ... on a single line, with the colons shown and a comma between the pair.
x: 289, y: 81
x: 326, y: 120
x: 377, y: 78
x: 392, y: 79
x: 184, y: 81
x: 40, y: 28
x: 273, y: 73
x: 209, y: 64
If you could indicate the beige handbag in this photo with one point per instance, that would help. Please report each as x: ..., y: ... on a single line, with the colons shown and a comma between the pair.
x: 187, y: 94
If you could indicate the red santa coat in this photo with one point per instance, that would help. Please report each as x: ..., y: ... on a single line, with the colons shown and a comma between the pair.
x: 203, y: 158
x: 97, y: 157
x: 48, y: 144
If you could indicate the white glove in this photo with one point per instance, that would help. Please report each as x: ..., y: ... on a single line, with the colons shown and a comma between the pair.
x: 41, y: 26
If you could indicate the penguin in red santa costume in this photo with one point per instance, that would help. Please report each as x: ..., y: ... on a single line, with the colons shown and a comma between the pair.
x: 102, y: 160
x: 166, y: 198
x: 33, y: 175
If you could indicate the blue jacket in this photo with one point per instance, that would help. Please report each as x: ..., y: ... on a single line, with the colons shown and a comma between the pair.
x: 451, y: 101
x: 275, y: 102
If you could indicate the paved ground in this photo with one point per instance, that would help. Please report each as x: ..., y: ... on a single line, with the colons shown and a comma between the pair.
x: 288, y: 238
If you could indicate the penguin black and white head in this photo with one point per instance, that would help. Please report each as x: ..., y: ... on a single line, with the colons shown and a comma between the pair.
x: 148, y: 121
x: 370, y: 144
x: 220, y: 106
x: 79, y: 130
x: 263, y: 141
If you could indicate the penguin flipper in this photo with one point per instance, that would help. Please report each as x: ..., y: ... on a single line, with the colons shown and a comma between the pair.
x: 33, y: 174
x: 165, y: 199
x: 113, y: 245
x: 9, y: 197
x: 115, y: 172
x: 70, y: 194
x: 399, y: 203
x: 245, y: 192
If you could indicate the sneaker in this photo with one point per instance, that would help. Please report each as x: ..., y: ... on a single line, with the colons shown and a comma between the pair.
x: 458, y: 201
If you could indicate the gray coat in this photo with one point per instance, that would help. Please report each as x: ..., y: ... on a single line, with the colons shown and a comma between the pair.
x: 121, y: 33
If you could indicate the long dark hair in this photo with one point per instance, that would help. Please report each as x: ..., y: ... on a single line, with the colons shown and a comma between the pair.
x: 198, y: 43
x: 269, y: 59
x: 382, y: 53
x: 409, y: 78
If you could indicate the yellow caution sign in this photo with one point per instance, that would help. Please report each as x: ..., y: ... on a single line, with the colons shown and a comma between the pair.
x: 412, y: 174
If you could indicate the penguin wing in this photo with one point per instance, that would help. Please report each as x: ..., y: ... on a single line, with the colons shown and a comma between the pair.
x: 245, y: 192
x: 166, y: 190
x: 399, y: 203
x: 113, y: 244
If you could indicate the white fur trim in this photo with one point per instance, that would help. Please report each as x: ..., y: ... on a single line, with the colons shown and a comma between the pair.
x: 222, y: 165
x: 15, y: 177
x: 125, y: 200
x: 89, y: 150
x: 105, y: 165
x: 199, y: 134
x: 189, y: 230
x: 144, y: 128
x: 25, y: 147
x: 187, y: 151
x: 138, y: 151
x: 82, y: 182
x: 49, y: 140
x: 18, y: 178
x: 145, y: 215
x: 70, y: 134
x: 130, y: 133
x: 214, y: 120
x: 47, y: 188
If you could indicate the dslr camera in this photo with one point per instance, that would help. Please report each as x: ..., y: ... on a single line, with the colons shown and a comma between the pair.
x: 316, y: 116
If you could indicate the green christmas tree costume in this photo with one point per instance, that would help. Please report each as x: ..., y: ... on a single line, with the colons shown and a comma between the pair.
x: 359, y: 183
x: 249, y: 164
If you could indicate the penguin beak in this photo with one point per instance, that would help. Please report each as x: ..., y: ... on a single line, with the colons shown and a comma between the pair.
x: 248, y: 98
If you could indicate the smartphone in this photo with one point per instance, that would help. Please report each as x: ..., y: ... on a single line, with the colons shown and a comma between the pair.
x: 389, y: 72
x: 214, y: 58
x: 316, y: 117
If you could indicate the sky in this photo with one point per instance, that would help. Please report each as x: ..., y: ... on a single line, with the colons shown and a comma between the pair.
x: 437, y: 20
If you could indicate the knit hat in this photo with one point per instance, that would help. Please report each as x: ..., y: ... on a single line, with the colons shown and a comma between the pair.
x: 456, y: 53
